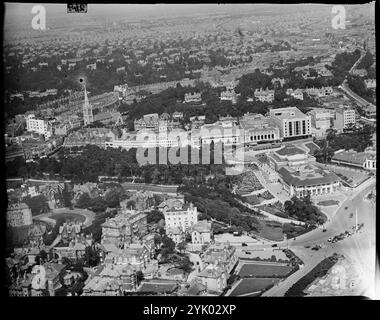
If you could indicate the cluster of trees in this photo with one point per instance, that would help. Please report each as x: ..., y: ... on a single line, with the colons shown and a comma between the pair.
x: 95, y: 229
x: 49, y: 237
x: 248, y: 83
x: 215, y: 200
x: 111, y: 199
x: 155, y: 216
x: 343, y: 63
x: 296, y: 290
x: 304, y: 210
x: 367, y: 61
x: 358, y: 139
x: 95, y: 161
x: 358, y: 86
x: 37, y: 204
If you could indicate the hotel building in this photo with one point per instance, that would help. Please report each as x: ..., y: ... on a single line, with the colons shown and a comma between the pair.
x: 292, y: 122
x: 344, y: 116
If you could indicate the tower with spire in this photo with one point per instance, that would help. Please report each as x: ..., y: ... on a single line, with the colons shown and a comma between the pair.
x: 87, y: 110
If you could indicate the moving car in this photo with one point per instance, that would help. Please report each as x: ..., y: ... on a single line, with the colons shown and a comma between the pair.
x: 274, y: 245
x: 244, y: 244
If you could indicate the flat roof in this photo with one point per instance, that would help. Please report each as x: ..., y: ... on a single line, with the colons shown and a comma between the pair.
x: 319, y: 176
x: 353, y: 157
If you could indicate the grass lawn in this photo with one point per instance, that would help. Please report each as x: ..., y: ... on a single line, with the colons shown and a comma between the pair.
x: 270, y: 230
x: 253, y: 285
x: 253, y: 199
x: 328, y: 203
x: 312, y: 146
x: 68, y: 216
x: 264, y: 270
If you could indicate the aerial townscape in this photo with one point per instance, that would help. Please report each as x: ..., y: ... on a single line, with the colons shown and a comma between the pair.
x: 190, y: 150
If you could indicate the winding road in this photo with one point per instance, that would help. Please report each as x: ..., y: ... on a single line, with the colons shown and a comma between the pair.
x: 360, y: 247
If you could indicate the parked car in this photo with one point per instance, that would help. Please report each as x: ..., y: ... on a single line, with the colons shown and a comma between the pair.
x: 247, y: 252
x: 244, y: 244
x: 329, y: 239
x: 316, y: 248
x: 274, y: 245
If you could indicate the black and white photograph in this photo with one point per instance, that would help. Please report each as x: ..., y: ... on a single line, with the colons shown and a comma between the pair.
x: 190, y: 150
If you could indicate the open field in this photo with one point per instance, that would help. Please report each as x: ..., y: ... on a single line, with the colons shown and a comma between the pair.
x: 264, y: 270
x: 253, y: 286
x: 270, y: 230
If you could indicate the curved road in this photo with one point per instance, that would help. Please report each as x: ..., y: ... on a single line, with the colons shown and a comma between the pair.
x: 360, y: 247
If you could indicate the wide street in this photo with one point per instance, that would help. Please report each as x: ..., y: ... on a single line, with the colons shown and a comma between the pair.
x: 360, y: 246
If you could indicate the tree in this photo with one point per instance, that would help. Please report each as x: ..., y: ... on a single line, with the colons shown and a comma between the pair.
x: 91, y: 256
x: 66, y: 197
x: 139, y: 277
x: 112, y: 198
x: 84, y: 201
x: 185, y: 264
x: 155, y: 216
x: 131, y: 204
x: 168, y: 246
x: 182, y: 246
x: 44, y: 256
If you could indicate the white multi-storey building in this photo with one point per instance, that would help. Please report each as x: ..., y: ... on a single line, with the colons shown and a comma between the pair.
x: 292, y: 122
x: 38, y: 125
x: 344, y: 117
x: 320, y: 121
x: 264, y: 95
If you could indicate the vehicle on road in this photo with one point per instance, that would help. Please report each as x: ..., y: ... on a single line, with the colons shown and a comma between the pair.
x: 329, y: 239
x: 316, y: 248
x: 244, y: 244
x: 247, y: 252
x: 345, y: 208
x: 324, y: 230
x: 274, y: 245
x: 307, y: 247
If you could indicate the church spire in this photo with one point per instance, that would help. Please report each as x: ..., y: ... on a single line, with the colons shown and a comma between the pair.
x: 87, y: 109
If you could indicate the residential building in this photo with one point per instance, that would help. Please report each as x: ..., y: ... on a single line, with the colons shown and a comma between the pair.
x: 109, y: 117
x: 264, y: 95
x: 297, y: 94
x: 201, y: 232
x: 124, y: 227
x: 192, y: 97
x: 370, y: 83
x: 39, y: 126
x: 18, y: 215
x: 148, y: 121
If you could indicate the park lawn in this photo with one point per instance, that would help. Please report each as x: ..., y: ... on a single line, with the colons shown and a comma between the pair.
x: 68, y: 216
x: 270, y: 230
x: 264, y: 270
x: 253, y: 285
